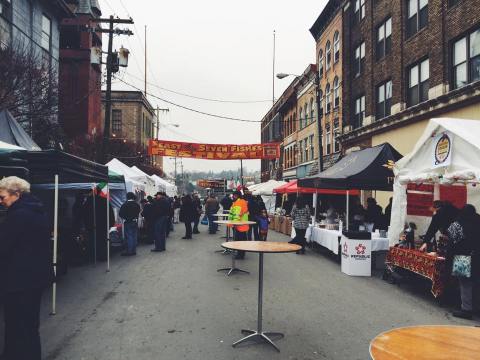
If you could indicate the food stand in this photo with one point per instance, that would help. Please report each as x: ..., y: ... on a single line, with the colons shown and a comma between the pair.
x: 440, y: 167
x: 367, y: 169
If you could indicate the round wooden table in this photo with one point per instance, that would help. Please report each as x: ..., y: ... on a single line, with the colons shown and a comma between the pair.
x: 261, y: 247
x: 429, y: 342
x: 233, y: 268
x: 223, y: 217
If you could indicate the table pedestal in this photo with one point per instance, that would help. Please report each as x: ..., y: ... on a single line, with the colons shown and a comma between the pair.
x: 255, y: 335
x: 233, y: 268
x: 227, y: 236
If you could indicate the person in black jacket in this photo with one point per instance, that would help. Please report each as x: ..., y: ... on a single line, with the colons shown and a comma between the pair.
x: 226, y: 203
x: 188, y: 213
x: 444, y: 214
x: 198, y: 211
x: 25, y: 267
x: 161, y: 212
x: 129, y: 212
x: 149, y: 216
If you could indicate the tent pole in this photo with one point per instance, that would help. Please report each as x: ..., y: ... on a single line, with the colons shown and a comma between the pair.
x: 55, y: 243
x: 94, y: 227
x: 108, y: 228
x: 316, y: 206
x: 348, y: 209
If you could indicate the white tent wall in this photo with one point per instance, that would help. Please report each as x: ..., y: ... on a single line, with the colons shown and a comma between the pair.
x: 418, y: 168
x: 267, y: 188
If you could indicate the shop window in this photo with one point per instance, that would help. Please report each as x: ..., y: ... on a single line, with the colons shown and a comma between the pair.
x: 466, y: 59
x: 417, y: 16
x: 384, y: 100
x: 418, y: 83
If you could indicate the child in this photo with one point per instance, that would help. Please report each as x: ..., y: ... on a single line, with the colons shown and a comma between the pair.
x: 263, y: 222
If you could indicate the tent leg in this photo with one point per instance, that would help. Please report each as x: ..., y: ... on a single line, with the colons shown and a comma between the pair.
x: 55, y: 243
x: 108, y: 228
x: 94, y: 228
x: 348, y: 209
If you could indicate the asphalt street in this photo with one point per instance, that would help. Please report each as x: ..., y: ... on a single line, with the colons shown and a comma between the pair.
x: 175, y: 305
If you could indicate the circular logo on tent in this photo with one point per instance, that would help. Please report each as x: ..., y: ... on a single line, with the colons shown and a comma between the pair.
x: 442, y: 149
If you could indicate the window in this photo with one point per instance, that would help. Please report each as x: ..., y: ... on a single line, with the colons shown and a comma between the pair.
x: 336, y: 92
x: 306, y: 113
x: 300, y: 146
x: 328, y: 99
x: 116, y: 120
x: 46, y: 32
x: 466, y: 60
x: 328, y: 56
x: 305, y: 149
x: 417, y: 16
x: 359, y: 10
x: 359, y: 112
x: 320, y: 63
x: 384, y: 39
x: 359, y: 59
x: 300, y: 118
x: 312, y: 111
x: 418, y: 83
x: 311, y: 148
x: 384, y: 99
x: 336, y: 132
x: 336, y: 47
x: 328, y: 141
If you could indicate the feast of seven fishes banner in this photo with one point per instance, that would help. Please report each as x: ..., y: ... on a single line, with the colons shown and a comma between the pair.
x: 214, y: 151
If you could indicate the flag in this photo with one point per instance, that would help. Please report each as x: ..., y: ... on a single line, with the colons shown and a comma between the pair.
x: 102, y: 190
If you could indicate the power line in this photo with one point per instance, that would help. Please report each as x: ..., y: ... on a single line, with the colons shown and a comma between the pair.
x: 190, y: 109
x: 199, y: 97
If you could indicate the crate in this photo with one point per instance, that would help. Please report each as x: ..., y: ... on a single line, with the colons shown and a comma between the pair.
x: 283, y: 225
x: 277, y: 223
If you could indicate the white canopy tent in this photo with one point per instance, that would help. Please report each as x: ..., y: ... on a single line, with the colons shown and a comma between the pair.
x: 445, y: 154
x: 150, y: 183
x: 134, y: 182
x: 265, y: 190
x: 170, y: 189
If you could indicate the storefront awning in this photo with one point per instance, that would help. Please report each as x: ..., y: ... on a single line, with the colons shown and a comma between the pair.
x: 293, y: 188
x: 367, y: 169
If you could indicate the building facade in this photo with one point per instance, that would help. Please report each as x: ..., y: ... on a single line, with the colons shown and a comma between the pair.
x: 409, y: 61
x: 328, y: 34
x: 80, y: 110
x: 133, y: 120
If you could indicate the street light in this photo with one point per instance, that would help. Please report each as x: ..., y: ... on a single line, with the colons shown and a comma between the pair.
x: 319, y: 125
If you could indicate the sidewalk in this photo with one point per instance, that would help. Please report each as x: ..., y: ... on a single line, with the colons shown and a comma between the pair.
x: 175, y: 305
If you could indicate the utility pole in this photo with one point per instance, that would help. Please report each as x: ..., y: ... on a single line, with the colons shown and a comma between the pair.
x: 273, y: 71
x: 145, y: 61
x: 158, y: 116
x: 112, y: 66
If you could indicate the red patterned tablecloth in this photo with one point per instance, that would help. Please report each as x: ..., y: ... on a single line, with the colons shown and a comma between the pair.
x: 428, y: 266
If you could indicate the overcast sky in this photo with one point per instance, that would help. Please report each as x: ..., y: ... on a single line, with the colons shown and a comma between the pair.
x: 215, y: 49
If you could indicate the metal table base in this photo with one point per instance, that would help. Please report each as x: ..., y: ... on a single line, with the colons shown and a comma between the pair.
x: 233, y: 268
x: 255, y: 335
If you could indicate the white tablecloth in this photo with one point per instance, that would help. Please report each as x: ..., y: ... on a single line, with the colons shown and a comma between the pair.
x: 330, y: 239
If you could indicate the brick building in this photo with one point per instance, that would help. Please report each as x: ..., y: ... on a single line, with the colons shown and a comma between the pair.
x: 133, y: 120
x: 328, y: 34
x: 80, y: 78
x: 408, y: 61
x: 271, y: 131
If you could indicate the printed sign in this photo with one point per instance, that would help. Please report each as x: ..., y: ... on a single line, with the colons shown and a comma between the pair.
x: 356, y: 257
x: 214, y: 151
x: 442, y: 150
x: 212, y: 184
x: 419, y: 200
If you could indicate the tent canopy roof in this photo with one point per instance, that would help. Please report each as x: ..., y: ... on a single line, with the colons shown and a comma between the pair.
x: 267, y: 188
x: 12, y: 133
x: 293, y: 188
x: 44, y: 165
x: 419, y: 164
x: 363, y: 169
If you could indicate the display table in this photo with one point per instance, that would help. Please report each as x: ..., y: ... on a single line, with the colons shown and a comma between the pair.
x: 428, y: 266
x: 261, y: 247
x: 330, y: 239
x: 356, y: 256
x: 230, y: 223
x: 430, y: 342
x: 224, y: 217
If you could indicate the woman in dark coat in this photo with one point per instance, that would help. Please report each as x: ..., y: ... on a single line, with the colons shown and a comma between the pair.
x: 25, y: 267
x: 463, y: 239
x: 187, y: 215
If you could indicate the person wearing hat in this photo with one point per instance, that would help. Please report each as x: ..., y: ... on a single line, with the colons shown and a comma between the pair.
x: 239, y: 212
x: 129, y: 212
